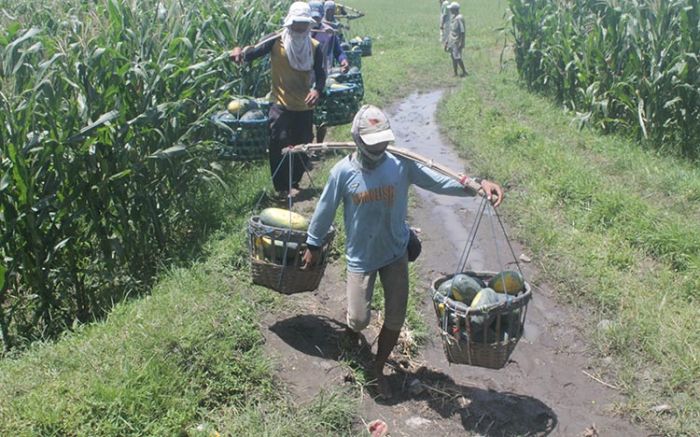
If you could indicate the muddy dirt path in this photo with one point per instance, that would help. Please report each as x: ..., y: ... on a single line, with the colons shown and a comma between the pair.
x: 543, y: 390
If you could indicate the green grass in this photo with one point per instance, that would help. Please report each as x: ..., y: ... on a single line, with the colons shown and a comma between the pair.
x: 187, y: 355
x: 611, y: 223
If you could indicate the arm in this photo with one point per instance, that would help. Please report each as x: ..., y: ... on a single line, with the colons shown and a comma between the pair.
x: 320, y: 74
x: 322, y: 220
x: 250, y: 53
x: 338, y: 51
x: 431, y: 180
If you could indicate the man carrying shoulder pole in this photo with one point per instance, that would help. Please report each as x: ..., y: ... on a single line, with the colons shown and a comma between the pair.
x: 373, y: 184
x: 298, y: 79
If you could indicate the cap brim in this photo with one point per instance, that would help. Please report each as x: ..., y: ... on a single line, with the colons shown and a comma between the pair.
x: 292, y: 20
x: 378, y: 137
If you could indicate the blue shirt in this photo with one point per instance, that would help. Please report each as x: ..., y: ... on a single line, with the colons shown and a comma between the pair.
x: 375, y: 208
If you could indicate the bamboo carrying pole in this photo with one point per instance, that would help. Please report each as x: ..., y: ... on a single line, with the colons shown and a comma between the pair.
x: 329, y: 146
x: 276, y: 34
x: 357, y: 13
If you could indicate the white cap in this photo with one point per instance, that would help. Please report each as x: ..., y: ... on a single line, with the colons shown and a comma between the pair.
x: 299, y: 12
x: 372, y: 125
x: 454, y: 5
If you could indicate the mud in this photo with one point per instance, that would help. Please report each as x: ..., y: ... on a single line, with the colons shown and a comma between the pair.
x: 543, y: 390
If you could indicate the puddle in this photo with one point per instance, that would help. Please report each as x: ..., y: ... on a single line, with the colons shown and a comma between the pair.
x: 417, y: 130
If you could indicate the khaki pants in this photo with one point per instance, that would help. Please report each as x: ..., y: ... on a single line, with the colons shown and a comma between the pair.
x: 360, y: 288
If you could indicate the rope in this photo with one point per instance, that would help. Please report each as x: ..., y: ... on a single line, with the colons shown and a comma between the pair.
x: 471, y: 237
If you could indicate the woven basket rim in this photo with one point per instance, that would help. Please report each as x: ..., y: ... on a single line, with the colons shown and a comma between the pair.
x: 256, y: 223
x: 465, y: 310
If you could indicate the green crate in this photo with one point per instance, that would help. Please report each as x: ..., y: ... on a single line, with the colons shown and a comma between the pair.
x: 241, y: 140
x: 354, y: 78
x: 366, y: 46
x: 337, y: 106
x: 354, y: 57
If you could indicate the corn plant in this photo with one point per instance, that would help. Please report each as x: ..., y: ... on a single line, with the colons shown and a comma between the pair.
x: 627, y: 65
x: 104, y: 132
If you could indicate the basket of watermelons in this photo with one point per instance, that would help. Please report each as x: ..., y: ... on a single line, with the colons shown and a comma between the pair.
x: 481, y: 315
x: 277, y: 242
x: 243, y: 130
x: 353, y: 76
x: 338, y: 105
x: 364, y: 44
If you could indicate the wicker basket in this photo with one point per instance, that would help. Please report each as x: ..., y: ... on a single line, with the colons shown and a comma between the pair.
x: 337, y: 106
x: 485, y: 344
x: 276, y: 258
x: 241, y: 140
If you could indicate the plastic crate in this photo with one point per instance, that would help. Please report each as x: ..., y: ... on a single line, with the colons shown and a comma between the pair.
x: 354, y: 78
x: 337, y: 106
x: 241, y: 140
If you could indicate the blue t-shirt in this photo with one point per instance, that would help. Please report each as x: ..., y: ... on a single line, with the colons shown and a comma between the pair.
x: 375, y: 208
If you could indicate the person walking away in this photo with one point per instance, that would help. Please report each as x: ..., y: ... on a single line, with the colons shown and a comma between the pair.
x: 455, y: 41
x: 298, y: 79
x: 444, y: 20
x: 373, y: 186
x: 330, y: 46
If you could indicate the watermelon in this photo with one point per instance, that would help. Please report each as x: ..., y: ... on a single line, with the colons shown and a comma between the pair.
x: 444, y: 288
x: 508, y: 281
x: 483, y: 299
x: 253, y: 115
x: 282, y: 218
x: 464, y: 288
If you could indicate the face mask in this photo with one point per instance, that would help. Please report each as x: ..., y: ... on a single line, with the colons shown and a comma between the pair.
x: 370, y: 156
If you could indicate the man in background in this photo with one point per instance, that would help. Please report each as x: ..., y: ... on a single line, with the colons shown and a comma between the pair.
x: 444, y: 20
x: 372, y: 184
x: 456, y: 39
x: 330, y: 46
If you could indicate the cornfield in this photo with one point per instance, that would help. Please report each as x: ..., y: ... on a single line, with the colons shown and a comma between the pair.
x: 104, y: 128
x: 625, y: 65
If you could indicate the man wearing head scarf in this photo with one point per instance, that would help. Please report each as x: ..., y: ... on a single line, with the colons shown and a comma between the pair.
x: 455, y: 41
x: 330, y: 45
x: 329, y: 19
x: 444, y: 20
x: 372, y: 184
x: 298, y: 79
x: 328, y: 38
